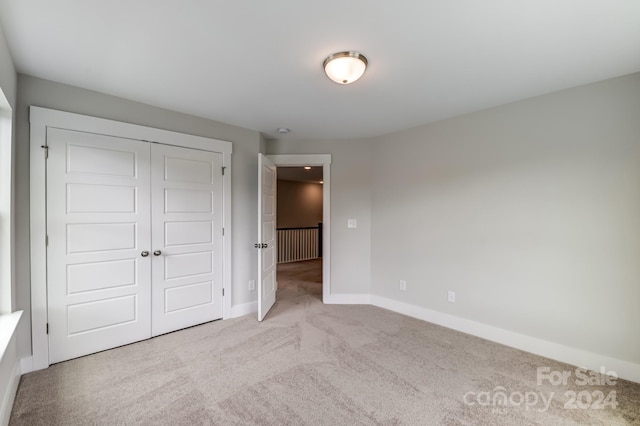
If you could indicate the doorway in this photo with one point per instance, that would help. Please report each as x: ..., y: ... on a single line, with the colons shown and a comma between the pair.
x: 321, y: 163
x: 299, y: 229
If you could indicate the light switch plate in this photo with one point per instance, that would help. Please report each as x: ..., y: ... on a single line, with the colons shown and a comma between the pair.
x: 352, y: 223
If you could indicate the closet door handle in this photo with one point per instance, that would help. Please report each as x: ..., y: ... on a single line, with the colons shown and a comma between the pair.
x: 157, y: 253
x: 144, y: 253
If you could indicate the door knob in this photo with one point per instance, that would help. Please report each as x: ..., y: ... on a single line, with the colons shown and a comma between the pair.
x: 144, y: 253
x: 265, y: 245
x: 157, y: 253
x: 256, y: 245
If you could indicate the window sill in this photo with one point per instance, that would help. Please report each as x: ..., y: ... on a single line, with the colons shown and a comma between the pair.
x: 8, y: 325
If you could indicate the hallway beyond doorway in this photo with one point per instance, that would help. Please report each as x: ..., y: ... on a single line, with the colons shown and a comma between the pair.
x: 300, y: 278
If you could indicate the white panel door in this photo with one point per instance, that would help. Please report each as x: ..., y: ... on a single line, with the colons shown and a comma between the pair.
x: 98, y: 224
x: 266, y: 235
x: 186, y: 197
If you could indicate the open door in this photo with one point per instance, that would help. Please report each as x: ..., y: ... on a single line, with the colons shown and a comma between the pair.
x: 266, y: 235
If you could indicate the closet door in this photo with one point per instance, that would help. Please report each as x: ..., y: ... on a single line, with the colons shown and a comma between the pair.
x: 98, y: 225
x: 186, y: 198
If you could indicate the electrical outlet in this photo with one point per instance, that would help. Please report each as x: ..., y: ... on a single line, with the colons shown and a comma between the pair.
x: 252, y: 285
x: 451, y: 296
x: 403, y: 285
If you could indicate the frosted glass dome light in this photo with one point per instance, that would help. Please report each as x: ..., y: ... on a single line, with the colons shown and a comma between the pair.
x: 345, y: 67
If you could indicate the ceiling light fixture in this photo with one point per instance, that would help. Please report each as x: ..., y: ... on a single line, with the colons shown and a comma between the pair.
x: 307, y: 168
x: 345, y: 67
x: 283, y: 130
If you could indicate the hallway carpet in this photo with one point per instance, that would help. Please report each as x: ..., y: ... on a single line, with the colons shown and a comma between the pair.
x: 315, y: 364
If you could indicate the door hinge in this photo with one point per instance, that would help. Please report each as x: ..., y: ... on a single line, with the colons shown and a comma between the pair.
x: 46, y: 151
x: 223, y: 232
x: 46, y: 240
x: 223, y: 291
x: 47, y: 328
x: 223, y: 167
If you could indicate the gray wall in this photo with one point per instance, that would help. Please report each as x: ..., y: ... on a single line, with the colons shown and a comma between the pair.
x: 246, y: 144
x: 350, y: 199
x: 530, y: 212
x: 8, y: 76
x: 299, y: 204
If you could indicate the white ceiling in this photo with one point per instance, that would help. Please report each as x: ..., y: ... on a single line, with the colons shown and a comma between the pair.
x: 257, y: 64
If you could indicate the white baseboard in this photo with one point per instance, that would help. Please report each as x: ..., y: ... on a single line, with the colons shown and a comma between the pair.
x: 10, y: 396
x: 26, y: 365
x: 9, y: 364
x: 348, y: 299
x: 244, y: 309
x: 578, y: 357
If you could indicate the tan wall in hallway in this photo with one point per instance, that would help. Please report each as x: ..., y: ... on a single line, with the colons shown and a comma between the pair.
x: 299, y: 204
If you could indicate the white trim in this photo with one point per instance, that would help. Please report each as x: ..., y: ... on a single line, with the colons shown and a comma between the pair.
x: 9, y: 364
x: 323, y: 160
x: 8, y: 325
x: 37, y: 223
x: 40, y: 119
x: 10, y: 396
x: 227, y: 281
x: 348, y: 299
x: 578, y: 357
x: 26, y: 365
x: 244, y: 309
x: 85, y: 123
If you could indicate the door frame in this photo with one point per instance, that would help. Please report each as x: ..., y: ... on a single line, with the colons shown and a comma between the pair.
x: 42, y: 118
x: 324, y: 161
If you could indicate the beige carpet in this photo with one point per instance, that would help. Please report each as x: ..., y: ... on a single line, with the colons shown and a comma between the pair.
x: 316, y: 364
